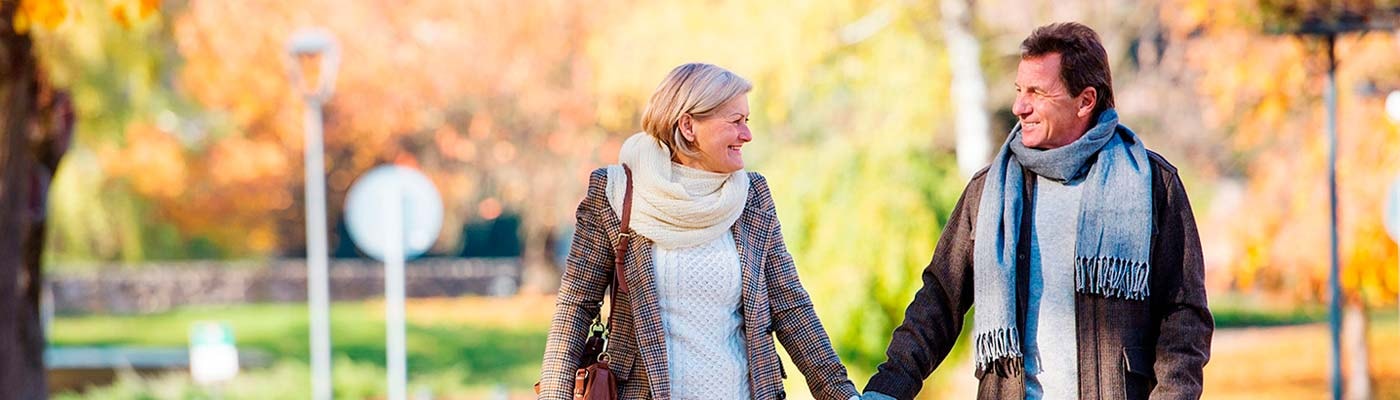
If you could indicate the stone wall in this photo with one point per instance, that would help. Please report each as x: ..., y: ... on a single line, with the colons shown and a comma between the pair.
x: 162, y: 286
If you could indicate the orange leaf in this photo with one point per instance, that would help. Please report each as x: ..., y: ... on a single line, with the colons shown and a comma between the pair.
x: 148, y: 7
x: 45, y: 13
x: 118, y: 11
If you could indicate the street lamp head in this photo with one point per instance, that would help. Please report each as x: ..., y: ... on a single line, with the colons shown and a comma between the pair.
x: 310, y: 40
x: 313, y: 44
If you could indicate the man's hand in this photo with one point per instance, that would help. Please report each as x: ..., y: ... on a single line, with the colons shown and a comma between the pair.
x: 875, y: 396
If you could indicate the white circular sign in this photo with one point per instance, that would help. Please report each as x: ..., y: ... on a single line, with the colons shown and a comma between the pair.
x: 1392, y: 210
x: 370, y: 202
x: 1392, y: 106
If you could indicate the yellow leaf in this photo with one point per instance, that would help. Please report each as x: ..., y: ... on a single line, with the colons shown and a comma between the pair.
x: 21, y: 23
x: 119, y: 14
x: 128, y: 12
x: 45, y: 13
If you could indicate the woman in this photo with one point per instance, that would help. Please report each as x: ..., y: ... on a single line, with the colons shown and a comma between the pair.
x: 709, y: 281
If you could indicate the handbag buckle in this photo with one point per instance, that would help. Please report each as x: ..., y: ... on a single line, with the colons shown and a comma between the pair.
x: 603, y: 355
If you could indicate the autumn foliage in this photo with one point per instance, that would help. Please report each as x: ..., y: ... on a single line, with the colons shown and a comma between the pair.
x: 192, y: 137
x: 1265, y: 94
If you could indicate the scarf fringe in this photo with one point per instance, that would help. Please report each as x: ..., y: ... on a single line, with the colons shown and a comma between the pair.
x: 999, y: 350
x: 1112, y: 277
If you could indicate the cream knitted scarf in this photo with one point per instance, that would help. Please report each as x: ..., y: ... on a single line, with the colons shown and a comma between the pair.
x: 673, y: 205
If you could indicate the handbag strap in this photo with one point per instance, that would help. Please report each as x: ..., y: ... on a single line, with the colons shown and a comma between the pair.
x: 620, y: 253
x: 624, y: 238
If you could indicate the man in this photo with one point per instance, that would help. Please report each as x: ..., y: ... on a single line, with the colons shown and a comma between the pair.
x: 1077, y: 248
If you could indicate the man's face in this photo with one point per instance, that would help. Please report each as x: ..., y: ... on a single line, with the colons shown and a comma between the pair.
x: 1050, y: 115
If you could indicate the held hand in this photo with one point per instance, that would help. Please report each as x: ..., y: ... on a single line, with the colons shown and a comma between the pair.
x: 875, y: 396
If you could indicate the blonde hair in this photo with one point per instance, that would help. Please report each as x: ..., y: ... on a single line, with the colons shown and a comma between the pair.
x: 695, y: 89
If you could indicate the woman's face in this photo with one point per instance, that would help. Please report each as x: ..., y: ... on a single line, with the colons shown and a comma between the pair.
x: 718, y: 137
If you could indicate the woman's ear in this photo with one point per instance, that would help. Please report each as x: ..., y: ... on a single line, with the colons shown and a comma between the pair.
x: 1087, y: 99
x: 687, y: 127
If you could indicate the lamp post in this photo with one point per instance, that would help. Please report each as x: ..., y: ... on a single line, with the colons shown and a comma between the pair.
x: 315, y: 91
x: 1328, y: 23
x: 1334, y: 286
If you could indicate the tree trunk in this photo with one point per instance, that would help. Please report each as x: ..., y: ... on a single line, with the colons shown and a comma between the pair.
x: 969, y: 89
x: 21, y: 352
x: 1357, y: 378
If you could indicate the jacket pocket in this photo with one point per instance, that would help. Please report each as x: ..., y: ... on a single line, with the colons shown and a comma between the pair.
x: 621, y: 358
x: 1138, y: 379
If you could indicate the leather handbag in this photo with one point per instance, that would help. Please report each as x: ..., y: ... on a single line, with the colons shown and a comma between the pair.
x: 595, y: 380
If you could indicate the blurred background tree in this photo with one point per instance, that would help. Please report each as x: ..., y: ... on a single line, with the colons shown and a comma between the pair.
x: 131, y: 147
x: 37, y: 121
x: 490, y: 99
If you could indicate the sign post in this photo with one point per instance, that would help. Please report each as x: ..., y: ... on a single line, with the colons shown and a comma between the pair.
x: 393, y: 214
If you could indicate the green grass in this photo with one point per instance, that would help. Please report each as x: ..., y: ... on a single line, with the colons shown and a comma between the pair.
x: 1244, y: 317
x: 457, y: 348
x: 1244, y: 311
x: 1241, y: 310
x: 438, y: 353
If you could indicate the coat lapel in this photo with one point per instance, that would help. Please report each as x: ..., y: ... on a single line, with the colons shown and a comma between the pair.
x: 750, y: 236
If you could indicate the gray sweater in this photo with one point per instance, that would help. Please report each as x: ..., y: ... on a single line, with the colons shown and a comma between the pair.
x: 1052, y: 371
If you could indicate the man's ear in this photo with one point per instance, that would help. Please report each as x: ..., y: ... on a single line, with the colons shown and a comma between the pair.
x: 1087, y: 100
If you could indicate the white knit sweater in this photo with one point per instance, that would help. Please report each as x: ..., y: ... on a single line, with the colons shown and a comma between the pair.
x: 698, y: 289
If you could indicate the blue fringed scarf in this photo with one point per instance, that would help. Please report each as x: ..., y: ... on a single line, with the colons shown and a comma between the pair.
x: 1115, y: 228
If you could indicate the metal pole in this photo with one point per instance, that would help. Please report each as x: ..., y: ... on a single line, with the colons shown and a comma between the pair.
x: 316, y: 254
x: 394, y: 297
x: 316, y: 43
x: 1335, y: 317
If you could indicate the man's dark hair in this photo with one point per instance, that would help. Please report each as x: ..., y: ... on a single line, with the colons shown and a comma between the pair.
x: 1083, y: 61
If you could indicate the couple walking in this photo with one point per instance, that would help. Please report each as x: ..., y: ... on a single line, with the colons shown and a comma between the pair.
x: 1076, y: 246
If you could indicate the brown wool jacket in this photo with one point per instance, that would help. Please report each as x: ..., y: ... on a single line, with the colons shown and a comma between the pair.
x: 773, y: 303
x: 1127, y: 349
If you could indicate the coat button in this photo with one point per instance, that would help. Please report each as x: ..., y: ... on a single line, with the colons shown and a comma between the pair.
x: 782, y: 394
x: 1021, y: 256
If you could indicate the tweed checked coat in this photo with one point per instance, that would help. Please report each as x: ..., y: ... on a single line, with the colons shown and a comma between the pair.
x: 773, y: 303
